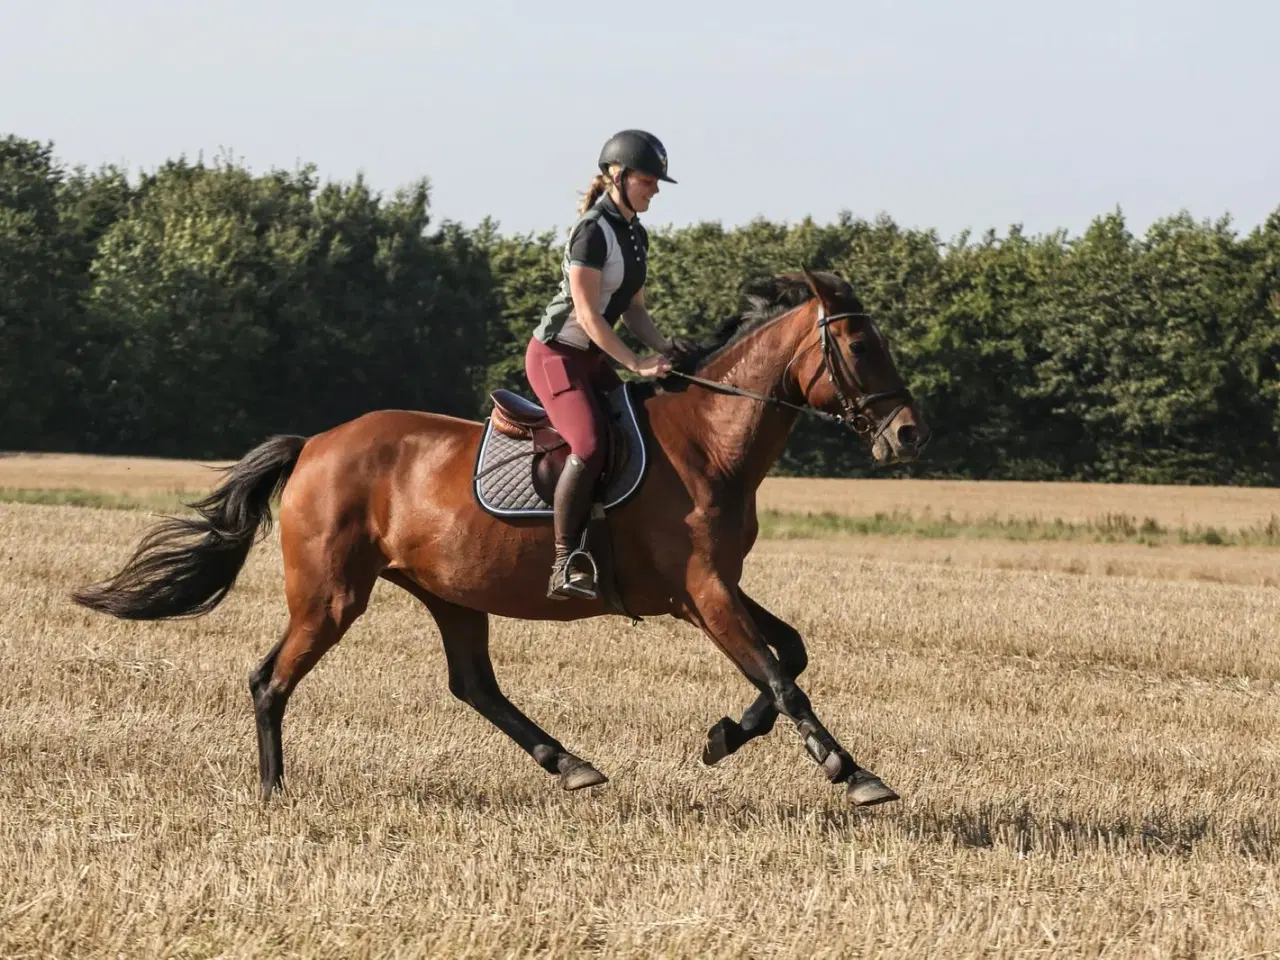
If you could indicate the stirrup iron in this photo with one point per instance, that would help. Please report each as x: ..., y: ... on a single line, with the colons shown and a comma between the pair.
x: 581, y: 551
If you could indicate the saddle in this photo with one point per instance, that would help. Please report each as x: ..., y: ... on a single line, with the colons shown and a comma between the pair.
x: 522, y: 455
x: 518, y: 418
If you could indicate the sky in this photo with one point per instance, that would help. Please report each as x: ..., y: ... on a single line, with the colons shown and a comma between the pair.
x: 951, y: 115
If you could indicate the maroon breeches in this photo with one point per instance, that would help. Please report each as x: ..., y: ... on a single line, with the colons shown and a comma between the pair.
x: 566, y: 381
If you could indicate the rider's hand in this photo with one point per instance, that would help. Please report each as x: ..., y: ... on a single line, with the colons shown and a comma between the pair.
x: 654, y: 366
x: 679, y: 348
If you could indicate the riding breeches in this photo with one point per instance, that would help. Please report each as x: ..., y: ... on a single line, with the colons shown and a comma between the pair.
x: 567, y: 382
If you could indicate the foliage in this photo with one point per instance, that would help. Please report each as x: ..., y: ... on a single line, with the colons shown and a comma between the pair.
x: 203, y: 307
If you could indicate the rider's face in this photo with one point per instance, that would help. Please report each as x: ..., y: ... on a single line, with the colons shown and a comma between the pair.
x: 641, y: 188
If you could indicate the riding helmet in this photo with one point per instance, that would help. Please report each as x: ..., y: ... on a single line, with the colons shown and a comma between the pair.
x: 636, y: 150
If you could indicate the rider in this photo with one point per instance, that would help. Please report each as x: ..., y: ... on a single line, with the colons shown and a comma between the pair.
x: 567, y: 360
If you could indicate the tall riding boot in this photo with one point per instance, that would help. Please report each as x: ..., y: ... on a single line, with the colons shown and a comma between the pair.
x: 572, y: 503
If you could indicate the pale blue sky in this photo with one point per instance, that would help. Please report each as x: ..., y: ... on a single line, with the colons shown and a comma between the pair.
x: 968, y: 114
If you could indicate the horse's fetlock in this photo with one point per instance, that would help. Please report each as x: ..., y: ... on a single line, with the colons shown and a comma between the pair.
x: 548, y: 757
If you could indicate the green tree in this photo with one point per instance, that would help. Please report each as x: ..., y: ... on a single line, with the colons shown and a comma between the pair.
x: 39, y: 290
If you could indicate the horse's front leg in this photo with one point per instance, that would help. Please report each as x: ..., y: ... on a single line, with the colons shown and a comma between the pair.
x: 725, y: 615
x: 729, y: 735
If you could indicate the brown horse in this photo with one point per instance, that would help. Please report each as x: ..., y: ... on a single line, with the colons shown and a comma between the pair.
x: 389, y: 495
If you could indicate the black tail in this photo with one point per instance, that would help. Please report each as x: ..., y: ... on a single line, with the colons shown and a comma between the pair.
x: 171, y: 576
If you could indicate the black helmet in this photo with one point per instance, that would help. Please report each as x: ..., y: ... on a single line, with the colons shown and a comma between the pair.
x: 636, y: 150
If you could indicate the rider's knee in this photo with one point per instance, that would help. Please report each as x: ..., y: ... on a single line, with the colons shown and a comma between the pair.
x: 591, y: 452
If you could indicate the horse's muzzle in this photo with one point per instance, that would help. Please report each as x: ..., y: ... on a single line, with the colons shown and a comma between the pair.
x: 903, y: 441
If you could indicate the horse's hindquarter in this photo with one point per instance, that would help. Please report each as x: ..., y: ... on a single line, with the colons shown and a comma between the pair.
x: 361, y: 476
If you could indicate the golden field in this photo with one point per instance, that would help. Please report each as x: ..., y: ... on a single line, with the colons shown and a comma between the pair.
x: 1086, y: 738
x: 1172, y: 506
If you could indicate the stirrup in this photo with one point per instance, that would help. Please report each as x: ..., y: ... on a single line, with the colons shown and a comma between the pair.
x: 564, y: 585
x: 582, y: 586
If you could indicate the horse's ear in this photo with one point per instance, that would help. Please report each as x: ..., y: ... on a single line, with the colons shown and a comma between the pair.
x: 815, y: 285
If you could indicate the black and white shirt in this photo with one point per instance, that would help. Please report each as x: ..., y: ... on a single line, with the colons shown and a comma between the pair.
x: 607, y: 241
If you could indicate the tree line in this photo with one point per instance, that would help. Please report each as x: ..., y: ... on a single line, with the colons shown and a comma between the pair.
x: 193, y: 310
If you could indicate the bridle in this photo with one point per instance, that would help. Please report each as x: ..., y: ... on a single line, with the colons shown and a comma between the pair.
x: 854, y: 413
x: 855, y: 408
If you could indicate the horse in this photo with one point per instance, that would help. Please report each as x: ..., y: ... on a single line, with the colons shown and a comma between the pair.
x: 389, y: 495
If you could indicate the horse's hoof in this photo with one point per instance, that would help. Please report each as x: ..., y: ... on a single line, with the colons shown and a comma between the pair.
x: 866, y: 790
x: 579, y: 774
x: 722, y: 739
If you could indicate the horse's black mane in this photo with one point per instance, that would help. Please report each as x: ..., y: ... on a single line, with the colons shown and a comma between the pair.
x: 765, y: 298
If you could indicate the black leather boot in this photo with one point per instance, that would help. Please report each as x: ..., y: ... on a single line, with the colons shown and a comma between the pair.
x: 573, y: 572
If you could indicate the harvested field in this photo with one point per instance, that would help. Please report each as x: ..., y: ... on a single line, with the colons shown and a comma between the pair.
x: 1086, y: 738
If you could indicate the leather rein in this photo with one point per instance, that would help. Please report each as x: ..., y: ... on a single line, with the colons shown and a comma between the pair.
x: 854, y: 413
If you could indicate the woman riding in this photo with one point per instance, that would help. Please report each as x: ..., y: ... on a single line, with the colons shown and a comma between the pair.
x: 567, y: 360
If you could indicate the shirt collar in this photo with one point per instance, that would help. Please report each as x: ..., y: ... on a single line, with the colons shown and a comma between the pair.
x: 611, y: 210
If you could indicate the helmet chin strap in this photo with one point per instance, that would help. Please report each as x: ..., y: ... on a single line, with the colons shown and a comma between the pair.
x: 620, y: 181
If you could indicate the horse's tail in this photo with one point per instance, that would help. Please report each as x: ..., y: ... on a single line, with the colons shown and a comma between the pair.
x: 169, y: 575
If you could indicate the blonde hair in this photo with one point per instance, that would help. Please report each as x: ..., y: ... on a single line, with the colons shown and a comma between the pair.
x: 599, y: 184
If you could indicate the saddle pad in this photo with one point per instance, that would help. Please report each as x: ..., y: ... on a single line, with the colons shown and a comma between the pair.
x: 503, y: 478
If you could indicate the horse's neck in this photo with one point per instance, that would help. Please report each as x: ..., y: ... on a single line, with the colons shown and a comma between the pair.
x: 743, y: 438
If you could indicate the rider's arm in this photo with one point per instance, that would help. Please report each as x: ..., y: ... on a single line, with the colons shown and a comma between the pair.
x: 639, y: 322
x: 584, y: 286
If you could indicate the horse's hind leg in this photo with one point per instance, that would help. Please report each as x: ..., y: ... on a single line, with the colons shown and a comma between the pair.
x: 728, y: 736
x: 321, y: 609
x: 465, y: 634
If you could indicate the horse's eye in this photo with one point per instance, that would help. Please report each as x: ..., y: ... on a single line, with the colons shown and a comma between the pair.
x: 858, y: 347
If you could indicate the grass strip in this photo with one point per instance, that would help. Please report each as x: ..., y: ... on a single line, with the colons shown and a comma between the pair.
x: 1110, y: 528
x: 792, y: 525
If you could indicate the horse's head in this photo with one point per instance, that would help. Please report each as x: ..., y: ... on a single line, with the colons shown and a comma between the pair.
x: 843, y: 367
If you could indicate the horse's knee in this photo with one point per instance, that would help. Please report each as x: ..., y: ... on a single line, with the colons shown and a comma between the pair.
x: 792, y: 656
x: 798, y: 663
x: 260, y: 675
x: 790, y: 700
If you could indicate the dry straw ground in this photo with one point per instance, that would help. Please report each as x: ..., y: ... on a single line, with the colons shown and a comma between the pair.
x: 1086, y: 737
x: 1230, y: 507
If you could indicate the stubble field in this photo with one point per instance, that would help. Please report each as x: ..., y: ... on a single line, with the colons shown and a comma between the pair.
x: 1086, y: 737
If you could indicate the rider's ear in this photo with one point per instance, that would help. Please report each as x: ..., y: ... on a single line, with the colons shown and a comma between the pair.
x: 819, y: 291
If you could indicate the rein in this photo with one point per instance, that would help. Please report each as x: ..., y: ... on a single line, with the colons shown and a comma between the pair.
x: 854, y: 416
x: 716, y: 387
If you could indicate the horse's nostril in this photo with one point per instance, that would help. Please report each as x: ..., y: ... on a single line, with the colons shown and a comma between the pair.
x: 907, y: 435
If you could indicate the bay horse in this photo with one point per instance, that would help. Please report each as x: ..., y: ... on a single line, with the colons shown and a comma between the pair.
x: 389, y: 495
